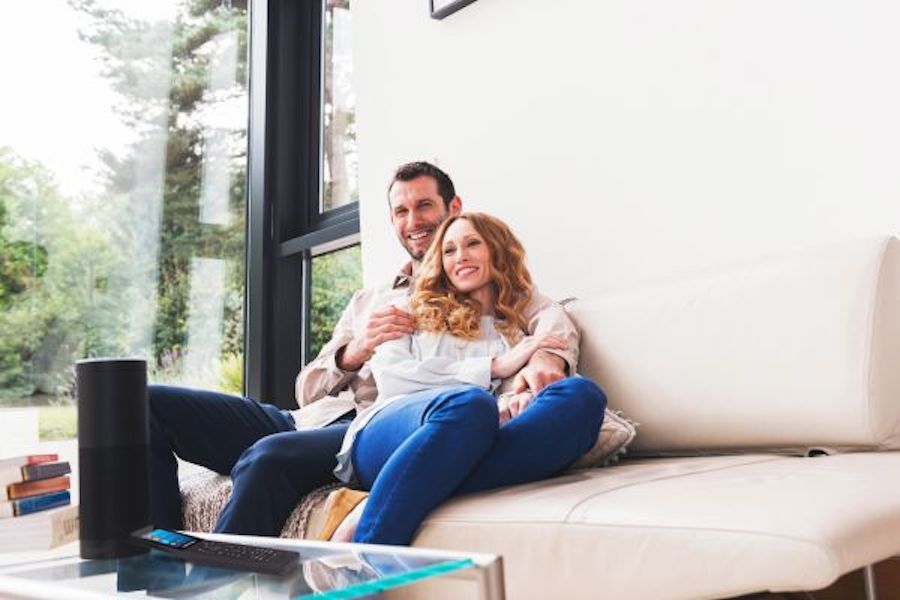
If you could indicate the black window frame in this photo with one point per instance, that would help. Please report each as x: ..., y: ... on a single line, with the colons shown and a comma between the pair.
x: 285, y: 228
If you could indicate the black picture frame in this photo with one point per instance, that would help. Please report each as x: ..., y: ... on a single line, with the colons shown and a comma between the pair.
x: 444, y: 8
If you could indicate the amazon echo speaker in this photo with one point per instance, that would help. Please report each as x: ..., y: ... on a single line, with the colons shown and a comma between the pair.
x: 113, y: 455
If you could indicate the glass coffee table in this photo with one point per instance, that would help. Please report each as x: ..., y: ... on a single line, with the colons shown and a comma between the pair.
x: 324, y: 571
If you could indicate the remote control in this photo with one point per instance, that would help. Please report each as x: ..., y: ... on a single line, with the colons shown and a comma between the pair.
x: 219, y: 554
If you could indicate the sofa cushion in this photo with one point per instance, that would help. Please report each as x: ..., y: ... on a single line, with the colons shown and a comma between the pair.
x: 698, y: 527
x: 781, y: 354
x: 204, y: 492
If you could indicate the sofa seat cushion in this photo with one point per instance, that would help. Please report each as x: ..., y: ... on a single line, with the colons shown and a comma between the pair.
x: 697, y: 527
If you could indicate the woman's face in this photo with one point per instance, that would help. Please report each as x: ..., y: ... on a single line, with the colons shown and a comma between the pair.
x: 466, y: 258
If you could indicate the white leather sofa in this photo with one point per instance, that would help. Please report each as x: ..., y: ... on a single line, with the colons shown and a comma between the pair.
x: 768, y: 397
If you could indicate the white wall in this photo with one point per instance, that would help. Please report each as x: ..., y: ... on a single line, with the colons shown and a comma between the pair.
x: 634, y: 140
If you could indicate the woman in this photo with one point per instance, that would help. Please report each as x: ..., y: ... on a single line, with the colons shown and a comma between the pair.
x: 436, y: 429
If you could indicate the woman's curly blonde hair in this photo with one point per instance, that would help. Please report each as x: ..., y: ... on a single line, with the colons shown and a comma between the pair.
x: 439, y: 306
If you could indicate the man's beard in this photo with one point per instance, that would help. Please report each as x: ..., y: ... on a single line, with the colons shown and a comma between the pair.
x: 416, y: 256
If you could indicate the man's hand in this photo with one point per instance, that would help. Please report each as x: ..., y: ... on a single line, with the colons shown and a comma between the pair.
x: 384, y: 325
x: 512, y: 405
x: 510, y: 362
x: 543, y: 369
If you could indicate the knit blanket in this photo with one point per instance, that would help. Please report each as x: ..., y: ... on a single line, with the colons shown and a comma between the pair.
x: 204, y: 494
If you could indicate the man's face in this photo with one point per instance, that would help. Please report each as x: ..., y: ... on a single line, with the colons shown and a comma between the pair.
x: 417, y: 210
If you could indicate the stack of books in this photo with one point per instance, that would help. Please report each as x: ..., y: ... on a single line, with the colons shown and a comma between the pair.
x: 35, y: 503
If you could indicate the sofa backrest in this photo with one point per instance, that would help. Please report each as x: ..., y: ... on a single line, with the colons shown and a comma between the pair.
x: 787, y: 354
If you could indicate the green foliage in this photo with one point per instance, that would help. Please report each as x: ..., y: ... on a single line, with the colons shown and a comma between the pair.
x: 140, y: 59
x: 231, y: 374
x: 335, y: 276
x: 109, y: 273
x: 57, y: 422
x: 22, y: 262
x: 74, y: 272
x: 62, y: 298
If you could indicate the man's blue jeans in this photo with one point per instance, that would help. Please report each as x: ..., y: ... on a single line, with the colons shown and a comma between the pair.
x: 272, y: 465
x: 420, y: 451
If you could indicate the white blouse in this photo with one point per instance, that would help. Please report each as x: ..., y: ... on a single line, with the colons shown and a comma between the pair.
x: 424, y: 360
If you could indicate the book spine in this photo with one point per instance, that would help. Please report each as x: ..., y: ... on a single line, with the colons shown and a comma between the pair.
x: 26, y: 506
x: 25, y: 489
x: 11, y: 468
x: 45, y: 470
x: 35, y: 459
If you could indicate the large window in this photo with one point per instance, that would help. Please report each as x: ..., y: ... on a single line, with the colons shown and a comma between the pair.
x: 335, y: 276
x: 338, y: 273
x: 123, y: 147
x: 304, y: 217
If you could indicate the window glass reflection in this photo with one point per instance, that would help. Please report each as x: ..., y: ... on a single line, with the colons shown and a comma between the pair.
x: 335, y: 276
x: 122, y: 202
x: 339, y: 110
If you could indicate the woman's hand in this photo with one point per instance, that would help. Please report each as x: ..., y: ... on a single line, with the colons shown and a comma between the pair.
x: 513, y: 404
x: 384, y: 325
x: 510, y: 363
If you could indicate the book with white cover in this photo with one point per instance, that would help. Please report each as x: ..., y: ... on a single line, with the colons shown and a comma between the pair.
x: 39, y: 531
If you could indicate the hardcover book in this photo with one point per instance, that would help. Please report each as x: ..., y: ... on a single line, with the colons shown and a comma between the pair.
x: 11, y: 468
x: 33, y: 504
x: 24, y: 489
x: 45, y: 470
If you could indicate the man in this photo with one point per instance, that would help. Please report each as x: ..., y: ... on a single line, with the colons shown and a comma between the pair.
x: 276, y: 457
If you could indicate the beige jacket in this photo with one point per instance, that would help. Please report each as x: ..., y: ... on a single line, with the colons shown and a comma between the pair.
x: 324, y: 391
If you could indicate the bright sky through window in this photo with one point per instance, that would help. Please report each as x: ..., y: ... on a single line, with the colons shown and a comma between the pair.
x: 55, y: 106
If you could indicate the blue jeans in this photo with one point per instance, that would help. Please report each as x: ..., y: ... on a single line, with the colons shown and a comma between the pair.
x: 435, y: 444
x: 272, y: 465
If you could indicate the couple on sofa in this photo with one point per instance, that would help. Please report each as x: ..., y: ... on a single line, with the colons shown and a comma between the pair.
x: 421, y: 393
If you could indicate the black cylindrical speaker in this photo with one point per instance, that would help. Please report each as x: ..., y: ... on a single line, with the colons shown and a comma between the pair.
x: 113, y: 456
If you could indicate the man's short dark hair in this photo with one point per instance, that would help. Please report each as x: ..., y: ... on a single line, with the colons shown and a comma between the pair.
x: 414, y: 170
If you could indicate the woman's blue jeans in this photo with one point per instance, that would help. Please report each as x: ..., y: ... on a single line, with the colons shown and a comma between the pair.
x: 435, y: 444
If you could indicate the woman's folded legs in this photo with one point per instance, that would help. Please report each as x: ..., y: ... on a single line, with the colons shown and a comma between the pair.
x: 561, y: 424
x: 421, y: 451
x: 414, y: 454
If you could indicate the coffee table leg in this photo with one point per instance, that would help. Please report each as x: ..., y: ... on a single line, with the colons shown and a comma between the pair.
x: 489, y: 577
x: 869, y: 580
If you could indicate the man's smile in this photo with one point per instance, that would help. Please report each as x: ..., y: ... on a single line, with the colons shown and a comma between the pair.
x: 420, y: 234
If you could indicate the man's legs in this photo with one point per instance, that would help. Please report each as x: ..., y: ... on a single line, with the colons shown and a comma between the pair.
x: 207, y: 428
x: 275, y: 473
x: 560, y: 425
x: 414, y: 454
